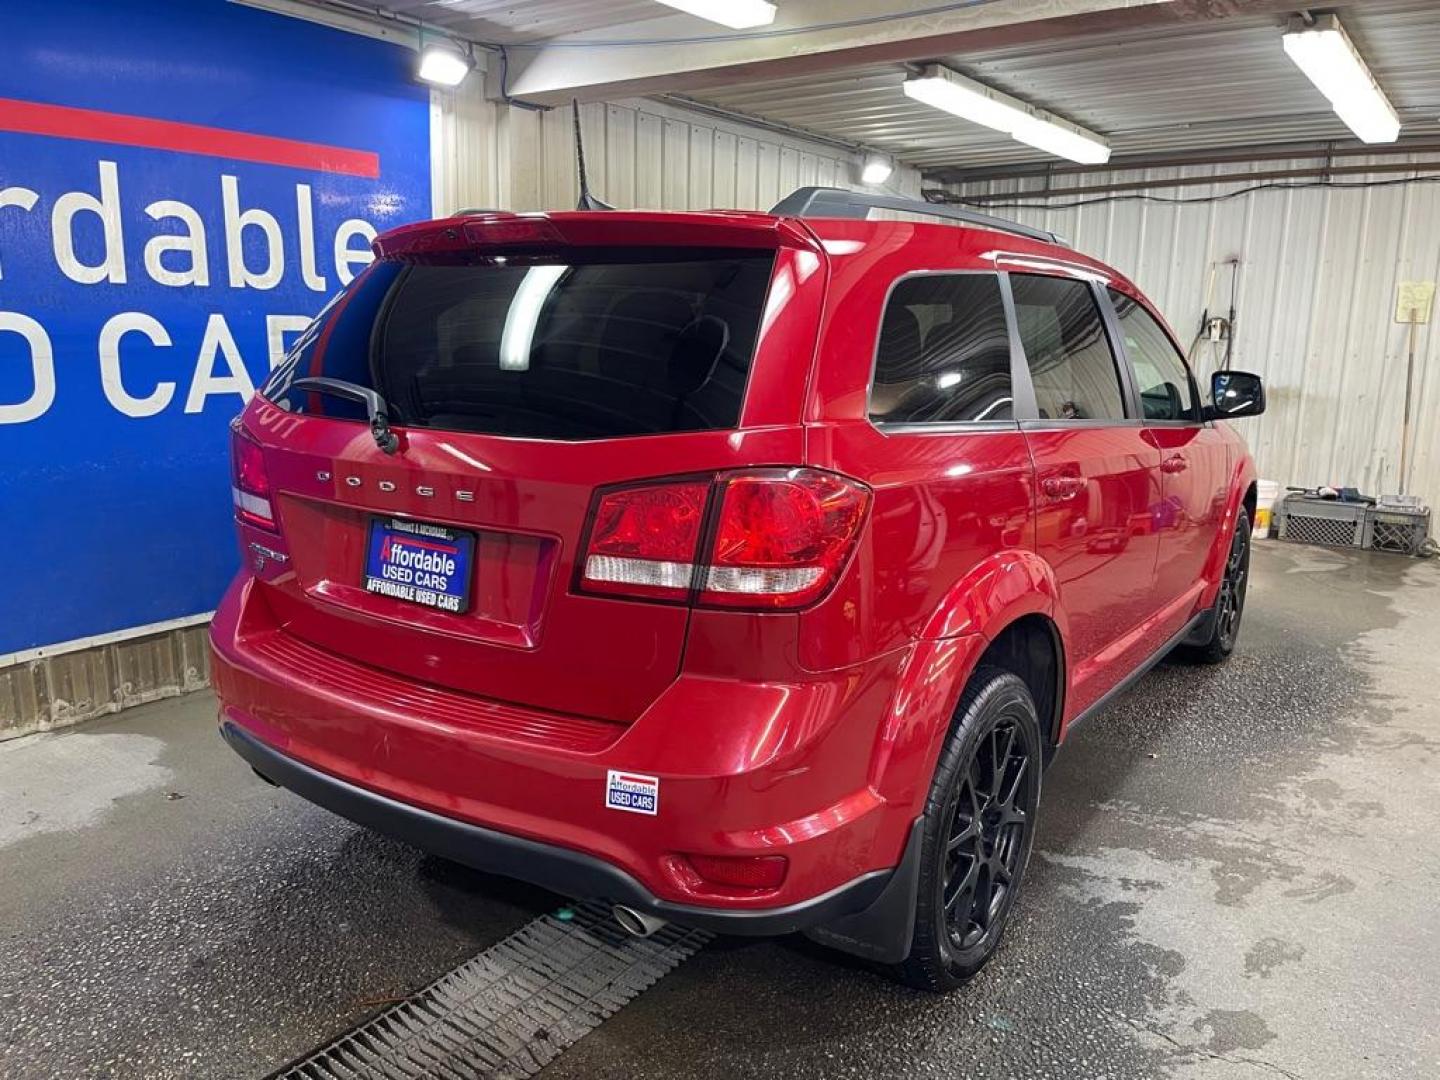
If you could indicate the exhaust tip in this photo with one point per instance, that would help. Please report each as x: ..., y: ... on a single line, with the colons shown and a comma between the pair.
x: 635, y: 923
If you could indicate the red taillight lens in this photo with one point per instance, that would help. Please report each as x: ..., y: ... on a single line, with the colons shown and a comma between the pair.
x: 644, y: 540
x: 782, y: 537
x: 757, y: 872
x: 250, y: 487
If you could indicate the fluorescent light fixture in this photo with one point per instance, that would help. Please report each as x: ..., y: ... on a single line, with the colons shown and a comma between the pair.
x: 1329, y: 59
x: 951, y: 92
x: 736, y: 14
x: 877, y: 170
x: 518, y: 336
x: 443, y: 66
x: 1063, y: 140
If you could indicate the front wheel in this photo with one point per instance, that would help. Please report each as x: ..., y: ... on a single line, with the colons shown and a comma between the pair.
x: 1223, y: 624
x: 978, y: 832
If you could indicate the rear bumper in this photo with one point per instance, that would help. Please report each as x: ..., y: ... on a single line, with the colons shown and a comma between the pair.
x: 571, y: 873
x: 743, y: 769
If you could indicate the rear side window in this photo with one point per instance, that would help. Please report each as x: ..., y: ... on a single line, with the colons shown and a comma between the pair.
x: 943, y: 355
x: 1160, y: 371
x: 601, y: 345
x: 1069, y: 355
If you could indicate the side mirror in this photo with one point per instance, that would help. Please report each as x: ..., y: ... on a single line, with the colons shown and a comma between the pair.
x: 1235, y: 394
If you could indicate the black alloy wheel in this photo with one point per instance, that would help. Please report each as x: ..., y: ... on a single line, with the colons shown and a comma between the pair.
x: 1224, y: 622
x: 1232, y: 586
x: 991, y: 816
x: 979, y: 830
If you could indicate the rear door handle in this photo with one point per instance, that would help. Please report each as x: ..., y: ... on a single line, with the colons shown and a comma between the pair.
x: 1062, y: 487
x: 1176, y: 463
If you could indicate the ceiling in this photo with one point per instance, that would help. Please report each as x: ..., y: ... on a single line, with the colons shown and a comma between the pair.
x: 1150, y: 91
x: 510, y: 22
x: 1155, y: 90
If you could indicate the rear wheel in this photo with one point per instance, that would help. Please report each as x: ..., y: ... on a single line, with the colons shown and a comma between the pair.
x: 1224, y: 620
x: 979, y: 829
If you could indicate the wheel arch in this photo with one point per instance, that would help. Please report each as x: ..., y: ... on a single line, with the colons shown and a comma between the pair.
x: 1004, y: 612
x: 1032, y: 648
x: 1244, y: 494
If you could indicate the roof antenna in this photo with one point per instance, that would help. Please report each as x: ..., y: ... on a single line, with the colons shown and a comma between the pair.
x: 587, y: 200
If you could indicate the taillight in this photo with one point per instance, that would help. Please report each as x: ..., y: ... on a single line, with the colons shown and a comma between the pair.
x: 249, y: 486
x: 779, y: 539
x: 644, y: 539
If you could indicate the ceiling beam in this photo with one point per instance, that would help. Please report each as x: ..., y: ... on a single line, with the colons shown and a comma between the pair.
x: 677, y: 54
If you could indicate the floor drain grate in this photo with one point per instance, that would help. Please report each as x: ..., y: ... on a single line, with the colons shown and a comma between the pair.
x: 512, y: 1009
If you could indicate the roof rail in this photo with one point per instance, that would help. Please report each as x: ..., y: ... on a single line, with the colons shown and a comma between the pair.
x: 837, y: 202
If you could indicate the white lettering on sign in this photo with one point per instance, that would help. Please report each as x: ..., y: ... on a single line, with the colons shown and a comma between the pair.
x: 107, y: 209
x: 131, y: 322
x: 236, y: 222
x: 305, y: 214
x: 218, y: 342
x: 24, y: 198
x: 191, y: 243
x: 89, y: 247
x: 42, y: 369
x: 347, y: 259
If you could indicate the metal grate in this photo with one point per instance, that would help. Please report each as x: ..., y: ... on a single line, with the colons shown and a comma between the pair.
x: 1404, y: 533
x: 512, y: 1009
x: 1308, y: 520
x: 1313, y: 530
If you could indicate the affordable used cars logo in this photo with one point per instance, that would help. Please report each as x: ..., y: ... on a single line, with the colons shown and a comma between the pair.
x: 100, y: 239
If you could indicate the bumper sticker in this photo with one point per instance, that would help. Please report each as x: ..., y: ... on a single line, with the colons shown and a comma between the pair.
x: 633, y: 792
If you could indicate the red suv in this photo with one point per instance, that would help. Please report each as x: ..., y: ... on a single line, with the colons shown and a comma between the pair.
x: 741, y: 569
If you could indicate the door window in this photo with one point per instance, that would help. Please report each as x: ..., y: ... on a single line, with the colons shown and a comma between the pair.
x: 944, y: 352
x: 1166, y: 392
x: 1069, y: 355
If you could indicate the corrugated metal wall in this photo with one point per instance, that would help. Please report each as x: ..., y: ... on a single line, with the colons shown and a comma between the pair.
x: 53, y: 691
x: 642, y: 154
x: 1316, y: 296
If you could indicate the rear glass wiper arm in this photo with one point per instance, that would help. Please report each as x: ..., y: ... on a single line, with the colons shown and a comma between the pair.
x: 374, y: 404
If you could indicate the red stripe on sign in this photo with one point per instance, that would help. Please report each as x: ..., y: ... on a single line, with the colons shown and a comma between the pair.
x: 430, y: 544
x: 636, y: 780
x: 63, y: 122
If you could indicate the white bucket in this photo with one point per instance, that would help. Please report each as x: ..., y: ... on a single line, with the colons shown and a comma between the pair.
x: 1267, y: 492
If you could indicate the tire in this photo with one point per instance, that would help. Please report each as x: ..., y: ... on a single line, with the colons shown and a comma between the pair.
x: 978, y: 832
x: 1223, y: 625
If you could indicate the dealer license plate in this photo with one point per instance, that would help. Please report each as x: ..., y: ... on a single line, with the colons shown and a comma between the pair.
x: 420, y: 563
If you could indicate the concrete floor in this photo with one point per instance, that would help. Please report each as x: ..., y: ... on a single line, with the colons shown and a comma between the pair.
x: 1235, y: 877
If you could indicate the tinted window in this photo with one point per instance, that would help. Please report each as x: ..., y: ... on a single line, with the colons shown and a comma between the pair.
x: 606, y: 344
x: 944, y: 352
x: 1068, y: 353
x: 1165, y: 390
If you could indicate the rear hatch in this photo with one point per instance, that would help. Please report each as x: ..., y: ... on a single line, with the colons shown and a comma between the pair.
x: 526, y: 362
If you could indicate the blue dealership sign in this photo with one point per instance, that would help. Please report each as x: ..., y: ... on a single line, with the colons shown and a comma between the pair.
x: 182, y: 186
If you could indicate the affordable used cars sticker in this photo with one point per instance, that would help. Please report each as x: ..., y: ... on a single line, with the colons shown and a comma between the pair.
x: 633, y: 792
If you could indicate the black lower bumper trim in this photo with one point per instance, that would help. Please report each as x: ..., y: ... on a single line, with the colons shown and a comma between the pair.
x: 562, y: 870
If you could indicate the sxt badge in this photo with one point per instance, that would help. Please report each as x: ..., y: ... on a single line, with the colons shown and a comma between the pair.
x: 633, y: 792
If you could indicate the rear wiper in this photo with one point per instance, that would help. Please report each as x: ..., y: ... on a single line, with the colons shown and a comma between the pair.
x: 374, y: 404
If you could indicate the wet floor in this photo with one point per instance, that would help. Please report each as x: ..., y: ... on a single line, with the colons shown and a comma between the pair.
x: 1235, y: 877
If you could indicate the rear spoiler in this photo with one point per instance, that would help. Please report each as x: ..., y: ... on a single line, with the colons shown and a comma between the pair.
x: 500, y: 232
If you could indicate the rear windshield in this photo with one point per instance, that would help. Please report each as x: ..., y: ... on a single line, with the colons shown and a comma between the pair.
x: 601, y: 345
